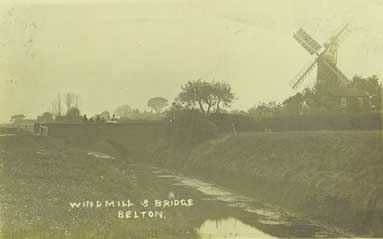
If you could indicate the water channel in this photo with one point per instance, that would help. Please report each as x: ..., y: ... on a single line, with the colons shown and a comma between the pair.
x: 232, y: 215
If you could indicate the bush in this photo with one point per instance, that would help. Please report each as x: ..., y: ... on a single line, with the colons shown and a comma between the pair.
x: 317, y: 121
x: 190, y: 127
x: 242, y: 122
x: 330, y: 121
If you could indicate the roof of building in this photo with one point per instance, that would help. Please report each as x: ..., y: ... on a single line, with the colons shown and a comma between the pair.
x: 348, y: 92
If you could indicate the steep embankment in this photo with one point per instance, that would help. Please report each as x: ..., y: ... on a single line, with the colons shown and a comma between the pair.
x: 334, y: 177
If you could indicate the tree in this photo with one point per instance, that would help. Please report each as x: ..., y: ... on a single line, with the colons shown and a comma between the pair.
x: 56, y: 106
x: 17, y: 118
x: 195, y: 92
x: 205, y: 95
x: 157, y: 104
x: 222, y: 93
x: 372, y: 86
x: 123, y: 111
x: 105, y: 115
x: 294, y: 104
x: 45, y: 117
x: 265, y: 110
x: 71, y: 100
x: 73, y: 113
x: 309, y: 101
x: 237, y: 112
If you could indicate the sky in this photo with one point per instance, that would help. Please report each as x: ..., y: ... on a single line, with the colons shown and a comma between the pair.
x: 125, y: 52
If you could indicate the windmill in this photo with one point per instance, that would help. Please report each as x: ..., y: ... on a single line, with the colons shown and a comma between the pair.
x: 328, y: 75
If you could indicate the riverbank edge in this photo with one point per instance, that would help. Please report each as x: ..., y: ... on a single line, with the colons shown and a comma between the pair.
x: 332, y: 201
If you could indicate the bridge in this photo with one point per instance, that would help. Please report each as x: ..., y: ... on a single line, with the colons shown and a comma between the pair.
x: 133, y: 136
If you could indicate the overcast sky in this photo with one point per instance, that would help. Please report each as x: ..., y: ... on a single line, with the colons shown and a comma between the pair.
x: 124, y: 52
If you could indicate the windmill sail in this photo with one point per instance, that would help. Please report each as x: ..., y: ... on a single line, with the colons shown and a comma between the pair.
x: 299, y: 78
x: 303, y: 38
x: 328, y: 75
x: 343, y: 33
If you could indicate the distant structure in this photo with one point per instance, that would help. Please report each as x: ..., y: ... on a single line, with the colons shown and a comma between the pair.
x: 331, y: 83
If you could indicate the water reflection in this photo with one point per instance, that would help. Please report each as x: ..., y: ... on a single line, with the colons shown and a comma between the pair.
x: 5, y: 135
x: 241, y: 216
x: 100, y: 155
x: 229, y: 228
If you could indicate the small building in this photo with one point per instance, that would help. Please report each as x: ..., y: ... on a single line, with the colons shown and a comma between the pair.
x: 349, y: 99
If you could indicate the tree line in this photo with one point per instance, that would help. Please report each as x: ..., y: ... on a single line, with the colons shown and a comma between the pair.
x: 309, y: 101
x: 208, y: 97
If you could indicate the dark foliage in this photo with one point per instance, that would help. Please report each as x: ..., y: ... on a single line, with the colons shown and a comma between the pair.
x: 207, y: 96
x: 319, y: 121
x: 190, y: 127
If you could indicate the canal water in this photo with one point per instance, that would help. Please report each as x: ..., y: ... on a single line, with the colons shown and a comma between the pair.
x: 229, y: 214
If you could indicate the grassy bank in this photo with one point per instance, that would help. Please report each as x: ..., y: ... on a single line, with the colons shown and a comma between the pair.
x: 39, y: 176
x: 331, y: 176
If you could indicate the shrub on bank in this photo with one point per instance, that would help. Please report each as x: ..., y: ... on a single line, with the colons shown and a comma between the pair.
x: 191, y: 127
x: 319, y: 121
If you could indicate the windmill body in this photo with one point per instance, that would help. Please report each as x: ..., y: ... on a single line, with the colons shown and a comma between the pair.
x: 327, y: 79
x: 330, y: 81
x: 327, y: 72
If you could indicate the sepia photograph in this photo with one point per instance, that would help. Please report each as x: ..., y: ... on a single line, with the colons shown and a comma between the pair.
x: 191, y: 119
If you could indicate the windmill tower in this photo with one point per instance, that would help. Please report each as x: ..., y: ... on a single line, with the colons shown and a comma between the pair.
x: 328, y: 75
